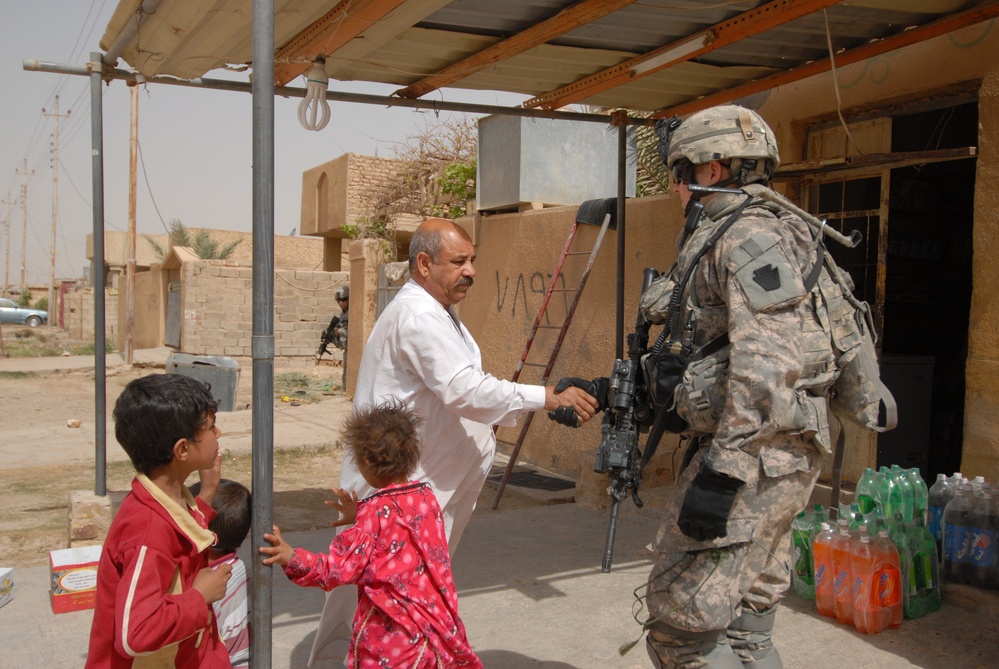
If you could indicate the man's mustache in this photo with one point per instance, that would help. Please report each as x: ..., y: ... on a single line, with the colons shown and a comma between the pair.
x: 464, y: 281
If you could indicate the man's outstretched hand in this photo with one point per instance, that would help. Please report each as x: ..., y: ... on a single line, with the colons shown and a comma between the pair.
x: 574, y: 401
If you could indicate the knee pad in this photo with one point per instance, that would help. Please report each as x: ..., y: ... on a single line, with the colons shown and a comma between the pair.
x: 750, y: 636
x: 671, y: 648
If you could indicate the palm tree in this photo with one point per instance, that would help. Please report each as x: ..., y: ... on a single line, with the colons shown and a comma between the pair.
x: 201, y: 243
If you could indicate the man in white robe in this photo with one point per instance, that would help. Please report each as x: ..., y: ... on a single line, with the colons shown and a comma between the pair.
x: 419, y: 353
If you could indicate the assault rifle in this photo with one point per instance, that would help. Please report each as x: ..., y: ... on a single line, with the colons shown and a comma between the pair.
x: 628, y: 413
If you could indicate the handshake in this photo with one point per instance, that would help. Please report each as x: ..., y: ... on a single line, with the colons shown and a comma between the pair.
x: 597, y: 388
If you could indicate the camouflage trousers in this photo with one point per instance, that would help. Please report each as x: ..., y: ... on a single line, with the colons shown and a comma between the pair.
x: 703, y: 586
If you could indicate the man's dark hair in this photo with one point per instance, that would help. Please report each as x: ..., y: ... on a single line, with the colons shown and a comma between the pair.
x: 154, y: 412
x: 234, y: 514
x: 425, y: 241
x: 385, y: 436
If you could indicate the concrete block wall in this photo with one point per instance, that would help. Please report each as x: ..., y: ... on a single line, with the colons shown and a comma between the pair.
x: 79, y: 315
x: 218, y: 309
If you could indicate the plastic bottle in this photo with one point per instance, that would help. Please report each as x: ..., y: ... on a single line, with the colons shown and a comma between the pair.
x: 921, y: 492
x: 984, y: 551
x: 957, y: 535
x: 924, y: 572
x: 940, y: 493
x: 822, y: 554
x: 889, y: 494
x: 907, y: 494
x: 803, y: 575
x: 855, y: 517
x: 867, y: 491
x: 977, y: 484
x: 900, y: 539
x: 843, y: 574
x: 889, y: 581
x: 869, y: 617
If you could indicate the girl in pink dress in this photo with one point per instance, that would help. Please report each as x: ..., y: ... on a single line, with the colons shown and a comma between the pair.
x: 395, y: 551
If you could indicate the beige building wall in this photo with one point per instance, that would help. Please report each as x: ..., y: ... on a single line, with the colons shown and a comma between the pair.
x: 963, y: 63
x: 79, y: 315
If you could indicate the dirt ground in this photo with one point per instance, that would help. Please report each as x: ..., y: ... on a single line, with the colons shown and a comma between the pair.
x: 45, y: 459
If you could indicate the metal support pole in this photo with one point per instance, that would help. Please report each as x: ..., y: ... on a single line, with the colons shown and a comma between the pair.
x: 262, y: 342
x: 100, y: 355
x: 621, y: 120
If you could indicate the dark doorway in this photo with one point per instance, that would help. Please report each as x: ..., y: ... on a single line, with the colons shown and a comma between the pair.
x: 928, y: 291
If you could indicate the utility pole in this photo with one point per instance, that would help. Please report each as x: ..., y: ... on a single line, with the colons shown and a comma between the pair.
x: 6, y: 264
x: 24, y: 230
x: 133, y: 153
x: 55, y: 205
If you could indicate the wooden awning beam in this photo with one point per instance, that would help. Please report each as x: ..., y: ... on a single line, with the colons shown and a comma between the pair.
x: 565, y: 21
x: 347, y: 20
x: 983, y: 12
x: 747, y: 24
x: 895, y: 160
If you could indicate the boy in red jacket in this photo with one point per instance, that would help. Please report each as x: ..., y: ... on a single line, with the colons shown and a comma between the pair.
x: 154, y: 587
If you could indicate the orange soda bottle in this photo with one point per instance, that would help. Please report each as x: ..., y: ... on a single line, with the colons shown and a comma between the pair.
x: 889, y: 584
x: 824, y: 570
x: 869, y: 617
x: 843, y: 573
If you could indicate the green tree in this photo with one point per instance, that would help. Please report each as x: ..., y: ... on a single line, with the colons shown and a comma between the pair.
x: 201, y: 242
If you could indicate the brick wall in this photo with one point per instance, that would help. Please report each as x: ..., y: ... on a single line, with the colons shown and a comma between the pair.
x: 289, y: 252
x: 218, y: 309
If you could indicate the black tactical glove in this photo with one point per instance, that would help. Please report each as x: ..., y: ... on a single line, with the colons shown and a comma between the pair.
x: 707, y: 505
x: 598, y: 388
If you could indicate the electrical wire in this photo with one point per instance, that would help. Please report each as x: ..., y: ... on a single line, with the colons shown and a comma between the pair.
x: 145, y: 177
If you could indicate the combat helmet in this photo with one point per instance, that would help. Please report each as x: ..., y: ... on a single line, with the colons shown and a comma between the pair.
x: 342, y: 293
x: 724, y: 133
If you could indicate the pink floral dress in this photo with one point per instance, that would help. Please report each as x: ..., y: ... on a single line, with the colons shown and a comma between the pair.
x: 396, y: 553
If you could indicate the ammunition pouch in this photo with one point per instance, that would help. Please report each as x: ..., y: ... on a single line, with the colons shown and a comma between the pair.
x: 688, y: 386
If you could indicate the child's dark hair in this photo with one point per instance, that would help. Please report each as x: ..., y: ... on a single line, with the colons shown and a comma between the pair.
x: 154, y: 412
x: 234, y: 514
x: 384, y: 436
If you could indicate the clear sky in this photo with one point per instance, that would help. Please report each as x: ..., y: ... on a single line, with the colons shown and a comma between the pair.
x: 195, y: 144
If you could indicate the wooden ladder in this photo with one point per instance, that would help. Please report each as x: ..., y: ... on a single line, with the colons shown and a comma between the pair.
x: 591, y: 212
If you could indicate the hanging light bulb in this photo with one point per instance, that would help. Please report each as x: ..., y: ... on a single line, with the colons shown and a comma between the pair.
x: 314, y: 110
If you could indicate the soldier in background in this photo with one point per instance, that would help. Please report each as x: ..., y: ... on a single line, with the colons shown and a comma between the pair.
x: 336, y: 332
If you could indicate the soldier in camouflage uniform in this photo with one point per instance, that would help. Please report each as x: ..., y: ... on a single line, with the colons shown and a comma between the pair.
x: 759, y: 424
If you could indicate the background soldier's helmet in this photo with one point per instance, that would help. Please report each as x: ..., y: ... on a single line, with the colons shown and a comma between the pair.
x: 724, y: 133
x: 342, y: 293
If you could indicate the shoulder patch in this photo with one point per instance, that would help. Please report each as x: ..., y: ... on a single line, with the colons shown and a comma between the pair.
x: 768, y: 277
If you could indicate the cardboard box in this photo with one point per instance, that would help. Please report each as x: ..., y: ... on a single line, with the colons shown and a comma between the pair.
x: 74, y: 578
x: 6, y: 585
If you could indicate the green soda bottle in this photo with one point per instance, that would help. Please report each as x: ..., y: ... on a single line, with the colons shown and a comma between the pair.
x: 803, y: 576
x: 924, y: 572
x: 867, y: 491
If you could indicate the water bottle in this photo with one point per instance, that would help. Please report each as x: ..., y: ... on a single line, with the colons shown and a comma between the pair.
x: 924, y: 572
x: 906, y: 493
x: 957, y: 535
x: 822, y: 554
x: 940, y: 493
x: 867, y: 491
x: 977, y: 484
x: 843, y: 576
x: 889, y: 581
x: 984, y: 552
x: 889, y: 494
x: 803, y: 576
x: 922, y: 494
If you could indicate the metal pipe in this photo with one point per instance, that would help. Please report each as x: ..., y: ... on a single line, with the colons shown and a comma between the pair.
x: 130, y: 30
x: 100, y: 355
x: 34, y: 65
x: 262, y: 341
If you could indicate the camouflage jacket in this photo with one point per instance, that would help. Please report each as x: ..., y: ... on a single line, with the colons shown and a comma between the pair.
x: 780, y: 363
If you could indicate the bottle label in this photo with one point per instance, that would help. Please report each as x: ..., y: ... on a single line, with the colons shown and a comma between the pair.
x: 867, y: 503
x: 958, y: 544
x: 888, y: 582
x: 936, y: 515
x: 983, y: 548
x: 921, y: 574
x: 803, y: 567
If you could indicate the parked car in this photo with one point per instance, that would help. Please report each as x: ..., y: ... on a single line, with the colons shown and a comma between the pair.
x: 10, y: 312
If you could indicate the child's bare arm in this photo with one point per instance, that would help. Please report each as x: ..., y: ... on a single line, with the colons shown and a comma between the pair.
x: 211, y: 582
x: 280, y: 551
x: 210, y: 480
x: 346, y: 504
